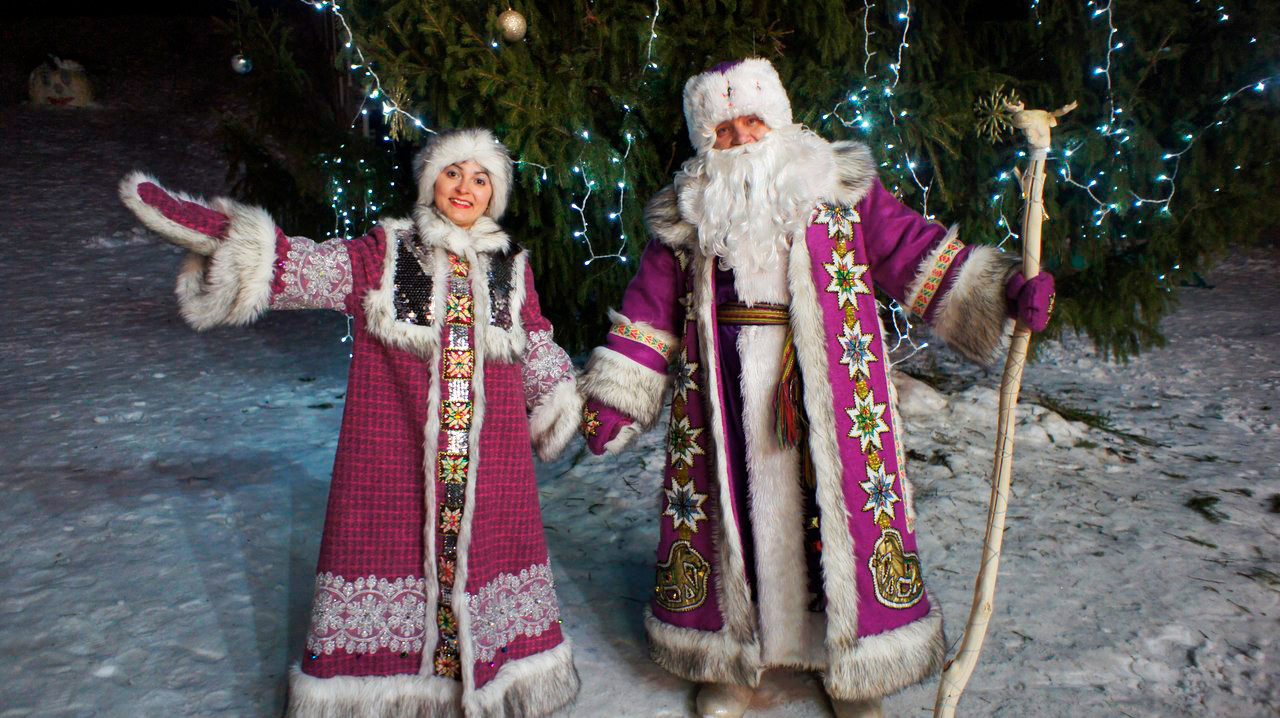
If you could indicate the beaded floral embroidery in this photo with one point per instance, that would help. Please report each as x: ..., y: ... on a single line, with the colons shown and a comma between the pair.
x: 510, y: 606
x: 315, y: 276
x: 368, y: 614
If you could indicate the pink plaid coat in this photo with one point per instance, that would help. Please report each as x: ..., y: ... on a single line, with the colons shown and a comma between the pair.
x: 433, y: 592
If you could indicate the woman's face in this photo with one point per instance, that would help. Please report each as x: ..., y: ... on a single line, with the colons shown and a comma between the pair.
x: 463, y: 192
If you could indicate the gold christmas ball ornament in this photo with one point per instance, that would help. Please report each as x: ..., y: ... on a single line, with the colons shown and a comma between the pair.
x: 513, y: 25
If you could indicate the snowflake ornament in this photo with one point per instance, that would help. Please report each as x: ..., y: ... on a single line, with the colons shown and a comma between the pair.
x: 880, y: 494
x: 868, y: 422
x: 682, y: 442
x: 855, y: 349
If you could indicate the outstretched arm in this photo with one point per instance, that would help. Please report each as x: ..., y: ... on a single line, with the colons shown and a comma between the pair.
x: 239, y: 263
x: 966, y: 293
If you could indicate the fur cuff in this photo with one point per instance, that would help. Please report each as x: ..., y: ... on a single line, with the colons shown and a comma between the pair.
x: 555, y: 420
x: 346, y: 696
x: 702, y: 656
x: 971, y: 317
x: 887, y: 662
x: 232, y: 285
x: 625, y: 385
x: 527, y: 688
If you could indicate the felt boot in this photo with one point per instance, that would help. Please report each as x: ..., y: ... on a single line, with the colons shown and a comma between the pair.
x: 869, y: 708
x: 721, y: 700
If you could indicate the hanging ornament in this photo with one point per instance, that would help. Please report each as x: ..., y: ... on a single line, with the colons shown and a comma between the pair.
x: 513, y: 25
x: 241, y: 64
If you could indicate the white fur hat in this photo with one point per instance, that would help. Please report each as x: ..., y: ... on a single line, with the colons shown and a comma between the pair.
x: 453, y: 146
x: 733, y: 89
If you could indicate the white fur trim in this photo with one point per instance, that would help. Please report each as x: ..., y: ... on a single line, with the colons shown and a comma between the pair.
x: 839, y: 571
x: 430, y: 446
x: 379, y: 302
x: 749, y: 87
x: 625, y: 385
x: 971, y: 316
x: 624, y: 437
x: 476, y: 144
x: 437, y: 231
x: 554, y: 421
x: 731, y: 577
x: 233, y: 285
x: 887, y: 662
x: 398, y: 696
x: 529, y: 687
x: 790, y: 634
x: 702, y: 656
x: 156, y: 221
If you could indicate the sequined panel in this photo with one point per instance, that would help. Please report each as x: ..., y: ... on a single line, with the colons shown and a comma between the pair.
x: 453, y: 460
x: 501, y: 270
x: 457, y: 441
x: 412, y: 294
x: 459, y: 337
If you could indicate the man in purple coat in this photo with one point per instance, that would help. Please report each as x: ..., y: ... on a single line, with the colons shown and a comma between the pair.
x: 787, y: 535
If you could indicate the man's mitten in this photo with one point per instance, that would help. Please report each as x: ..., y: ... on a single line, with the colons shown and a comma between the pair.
x: 188, y: 222
x: 1031, y: 300
x: 603, y: 427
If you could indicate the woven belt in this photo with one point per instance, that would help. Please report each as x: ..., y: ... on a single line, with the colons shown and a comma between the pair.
x: 759, y: 315
x: 789, y: 422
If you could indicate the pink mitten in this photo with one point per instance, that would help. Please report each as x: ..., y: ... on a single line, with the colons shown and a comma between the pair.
x: 183, y: 220
x: 1031, y: 300
x: 601, y: 424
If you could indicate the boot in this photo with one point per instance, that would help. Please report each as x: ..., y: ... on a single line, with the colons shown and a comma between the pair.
x: 721, y: 700
x: 868, y: 708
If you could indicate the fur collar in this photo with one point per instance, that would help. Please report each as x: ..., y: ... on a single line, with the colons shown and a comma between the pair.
x: 667, y: 214
x: 436, y: 231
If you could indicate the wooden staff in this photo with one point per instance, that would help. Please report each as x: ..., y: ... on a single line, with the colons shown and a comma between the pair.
x: 955, y: 676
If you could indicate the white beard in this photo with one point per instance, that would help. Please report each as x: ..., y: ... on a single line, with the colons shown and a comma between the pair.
x: 749, y: 201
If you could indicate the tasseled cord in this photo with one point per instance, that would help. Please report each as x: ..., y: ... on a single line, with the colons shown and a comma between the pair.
x: 789, y: 422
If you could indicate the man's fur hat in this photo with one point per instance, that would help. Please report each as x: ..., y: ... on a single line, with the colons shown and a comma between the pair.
x: 733, y: 89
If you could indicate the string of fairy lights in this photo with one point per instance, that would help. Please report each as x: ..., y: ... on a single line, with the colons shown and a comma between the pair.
x: 341, y: 201
x: 865, y: 109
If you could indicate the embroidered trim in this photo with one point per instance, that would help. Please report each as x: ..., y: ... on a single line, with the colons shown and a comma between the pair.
x: 368, y: 614
x: 635, y: 334
x: 897, y: 578
x: 934, y: 280
x: 545, y: 365
x: 314, y: 276
x: 511, y: 606
x: 453, y: 459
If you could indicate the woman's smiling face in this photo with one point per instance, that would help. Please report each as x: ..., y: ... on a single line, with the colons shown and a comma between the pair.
x: 463, y: 192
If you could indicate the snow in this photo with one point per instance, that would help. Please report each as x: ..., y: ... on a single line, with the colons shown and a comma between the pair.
x: 163, y: 490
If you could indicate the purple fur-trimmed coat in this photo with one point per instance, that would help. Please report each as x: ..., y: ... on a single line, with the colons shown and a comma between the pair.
x: 731, y: 594
x: 433, y: 593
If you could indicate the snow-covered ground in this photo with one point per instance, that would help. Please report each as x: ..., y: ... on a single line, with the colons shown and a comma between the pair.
x: 162, y: 491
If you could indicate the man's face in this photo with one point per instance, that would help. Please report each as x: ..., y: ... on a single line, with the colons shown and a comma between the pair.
x: 739, y: 131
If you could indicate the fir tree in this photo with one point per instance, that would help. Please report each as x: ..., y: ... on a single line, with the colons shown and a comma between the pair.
x: 1169, y: 161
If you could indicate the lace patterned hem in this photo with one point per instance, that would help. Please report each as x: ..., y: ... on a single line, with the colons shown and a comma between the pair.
x: 314, y: 276
x: 368, y: 614
x: 511, y: 606
x: 545, y: 366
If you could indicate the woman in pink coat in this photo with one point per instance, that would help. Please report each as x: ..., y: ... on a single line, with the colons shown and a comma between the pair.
x: 433, y: 593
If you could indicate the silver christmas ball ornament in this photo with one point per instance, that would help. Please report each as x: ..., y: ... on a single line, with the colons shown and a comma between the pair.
x: 513, y: 25
x: 241, y: 64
